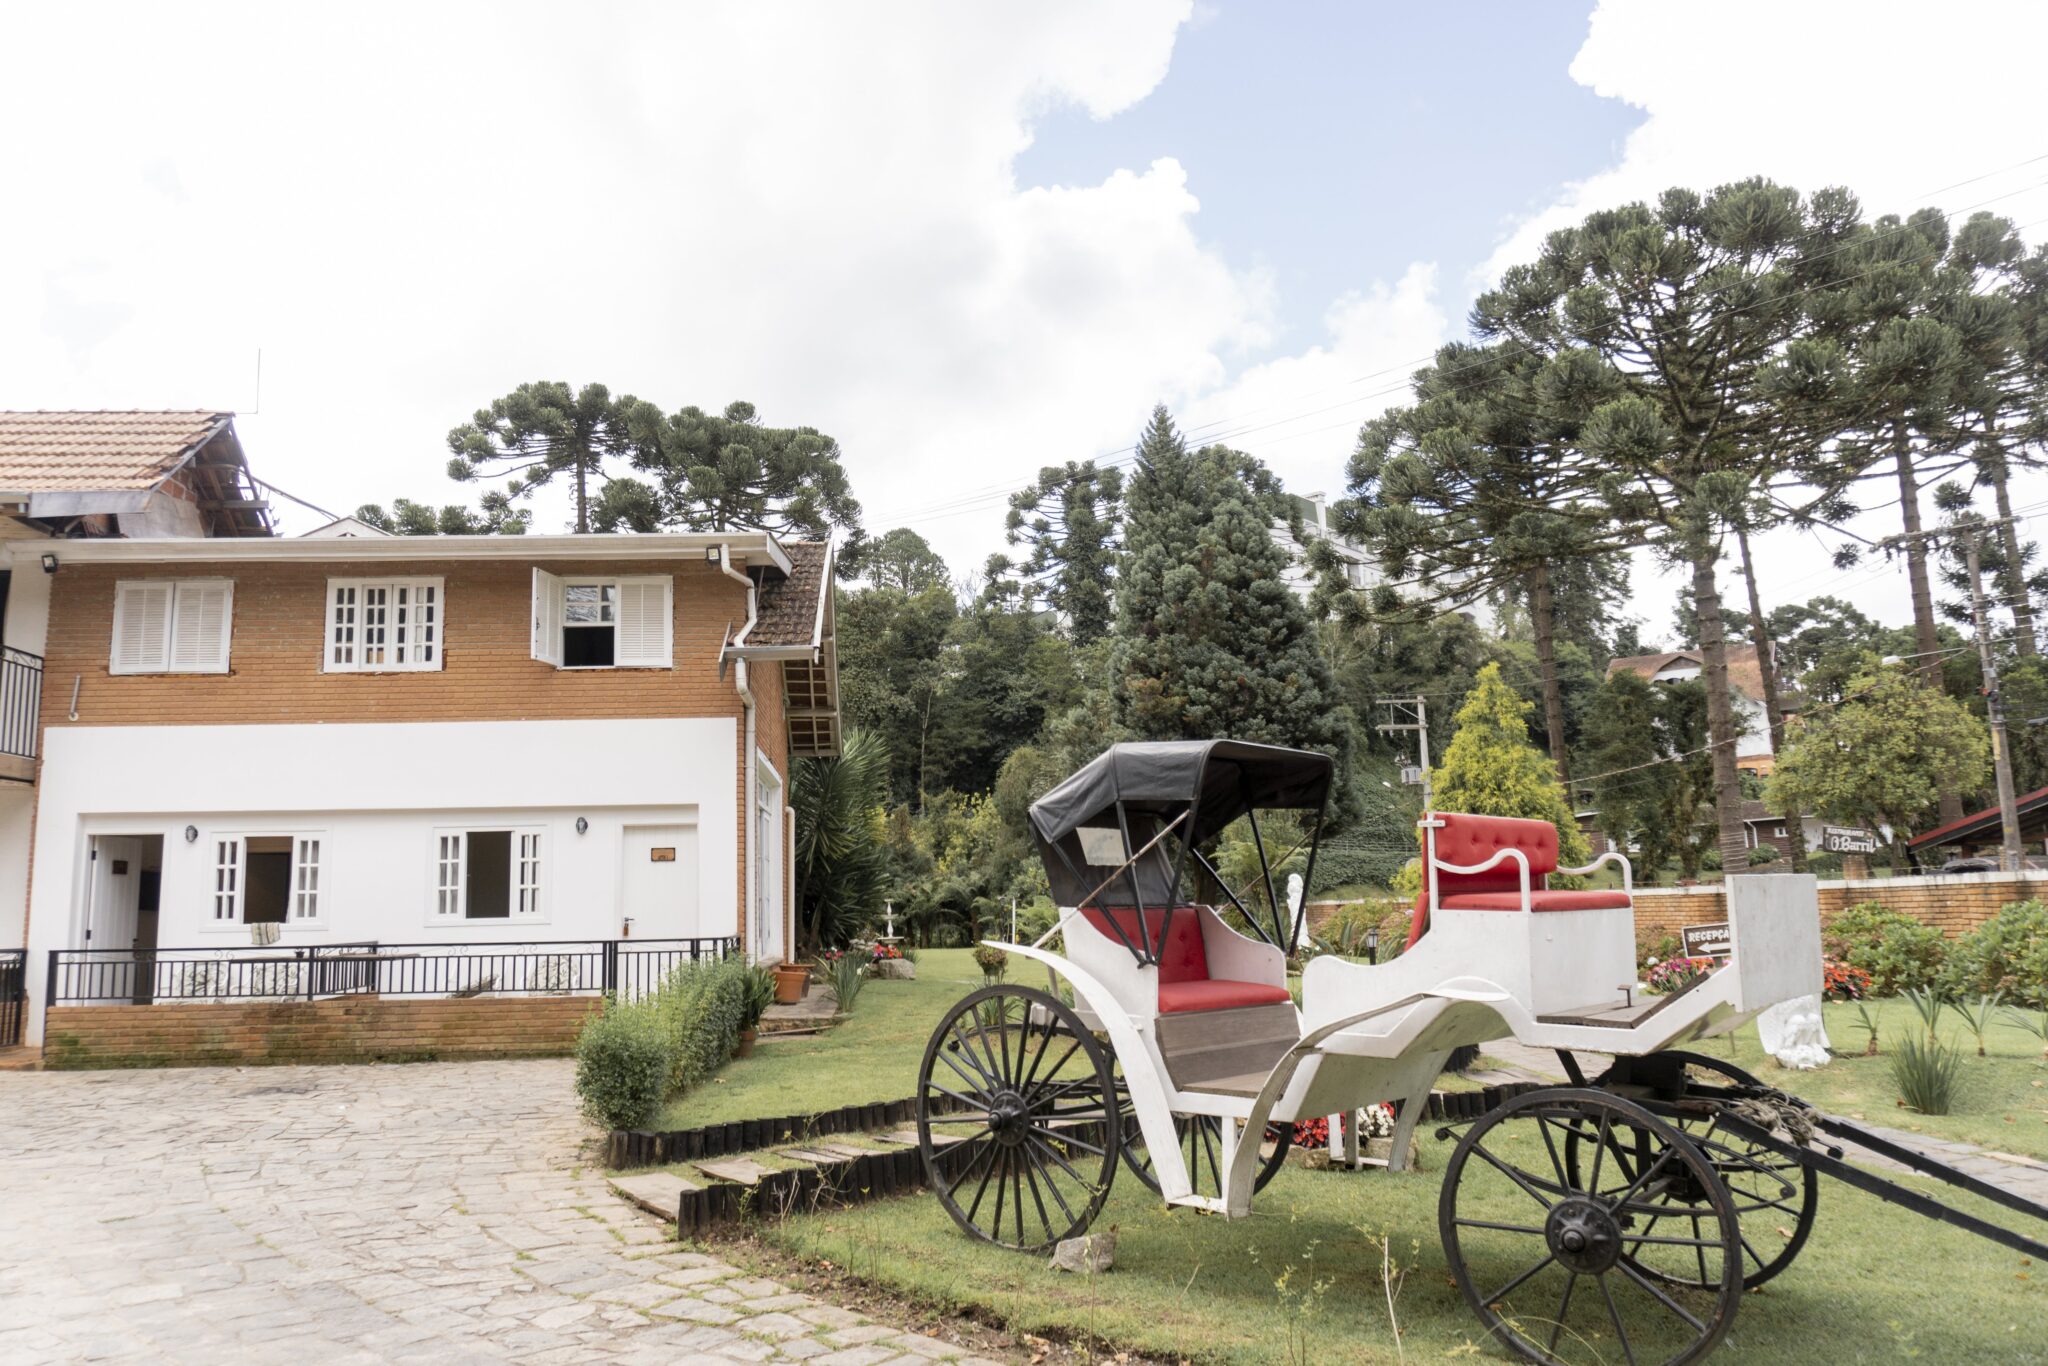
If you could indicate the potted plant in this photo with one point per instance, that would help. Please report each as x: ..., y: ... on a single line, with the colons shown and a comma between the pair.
x: 761, y: 985
x: 792, y: 980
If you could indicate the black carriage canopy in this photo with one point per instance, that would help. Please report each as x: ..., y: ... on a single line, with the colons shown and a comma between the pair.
x: 1121, y: 831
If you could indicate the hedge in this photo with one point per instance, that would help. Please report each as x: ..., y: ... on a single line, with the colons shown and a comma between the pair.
x: 635, y: 1055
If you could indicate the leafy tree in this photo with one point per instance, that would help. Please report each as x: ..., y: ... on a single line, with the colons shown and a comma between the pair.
x: 728, y: 472
x: 899, y: 559
x: 544, y: 429
x: 1702, y: 310
x: 1211, y: 641
x: 495, y: 517
x: 838, y: 839
x: 1654, y: 785
x: 1491, y: 769
x: 1883, y: 756
x: 892, y: 666
x: 1481, y: 490
x: 1070, y: 520
x: 1005, y: 675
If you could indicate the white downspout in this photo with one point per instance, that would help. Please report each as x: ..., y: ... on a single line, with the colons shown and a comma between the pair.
x: 739, y: 676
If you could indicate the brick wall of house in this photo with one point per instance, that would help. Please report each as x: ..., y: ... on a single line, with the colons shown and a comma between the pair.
x: 353, y: 1029
x: 487, y: 671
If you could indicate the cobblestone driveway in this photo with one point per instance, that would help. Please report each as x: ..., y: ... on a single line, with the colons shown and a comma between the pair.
x: 433, y: 1212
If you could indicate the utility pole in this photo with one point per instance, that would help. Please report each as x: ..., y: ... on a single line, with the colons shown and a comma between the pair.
x: 1971, y: 536
x: 1994, y: 708
x: 1411, y: 714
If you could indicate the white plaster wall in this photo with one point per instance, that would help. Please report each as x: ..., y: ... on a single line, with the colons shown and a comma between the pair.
x: 377, y: 793
x: 28, y: 596
x: 17, y: 808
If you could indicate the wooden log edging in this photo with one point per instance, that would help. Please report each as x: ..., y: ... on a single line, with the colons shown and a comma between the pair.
x: 626, y: 1148
x: 801, y: 1190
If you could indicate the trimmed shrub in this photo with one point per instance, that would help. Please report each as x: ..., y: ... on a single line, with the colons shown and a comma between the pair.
x: 1900, y: 953
x: 622, y: 1066
x: 2006, y: 956
x: 992, y: 961
x: 701, y: 1007
x: 1763, y: 853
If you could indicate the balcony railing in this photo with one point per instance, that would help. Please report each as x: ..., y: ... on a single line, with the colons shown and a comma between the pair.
x: 21, y: 699
x: 629, y: 968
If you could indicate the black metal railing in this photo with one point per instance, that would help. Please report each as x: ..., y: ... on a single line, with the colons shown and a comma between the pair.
x: 629, y: 968
x: 21, y: 699
x: 13, y: 994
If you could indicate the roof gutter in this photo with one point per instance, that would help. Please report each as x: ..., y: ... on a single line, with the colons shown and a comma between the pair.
x: 584, y: 546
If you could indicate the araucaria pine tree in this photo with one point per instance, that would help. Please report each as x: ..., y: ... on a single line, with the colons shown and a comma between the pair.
x: 1491, y: 769
x: 1211, y: 642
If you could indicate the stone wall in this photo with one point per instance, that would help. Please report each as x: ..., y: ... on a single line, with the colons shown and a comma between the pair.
x: 347, y: 1029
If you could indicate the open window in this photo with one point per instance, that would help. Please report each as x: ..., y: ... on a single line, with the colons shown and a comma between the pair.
x: 266, y: 880
x: 603, y: 623
x: 487, y: 874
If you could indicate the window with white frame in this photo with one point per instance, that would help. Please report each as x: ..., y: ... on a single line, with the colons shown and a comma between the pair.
x: 487, y: 874
x: 266, y: 879
x: 603, y: 623
x: 383, y: 625
x: 172, y: 626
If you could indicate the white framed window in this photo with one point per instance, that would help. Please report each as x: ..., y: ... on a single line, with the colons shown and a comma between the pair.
x: 487, y: 874
x: 180, y: 626
x: 383, y: 625
x: 604, y: 623
x: 267, y: 879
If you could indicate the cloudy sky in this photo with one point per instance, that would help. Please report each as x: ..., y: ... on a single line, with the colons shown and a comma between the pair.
x: 965, y: 240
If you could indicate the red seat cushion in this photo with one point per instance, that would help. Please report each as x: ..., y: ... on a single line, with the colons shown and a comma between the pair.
x: 1175, y: 997
x: 1184, y: 982
x: 1538, y: 901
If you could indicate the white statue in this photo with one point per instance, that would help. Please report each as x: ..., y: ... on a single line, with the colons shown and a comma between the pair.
x: 1294, y: 891
x: 1792, y: 1032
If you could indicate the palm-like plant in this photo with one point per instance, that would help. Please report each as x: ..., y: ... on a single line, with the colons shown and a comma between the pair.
x: 839, y: 859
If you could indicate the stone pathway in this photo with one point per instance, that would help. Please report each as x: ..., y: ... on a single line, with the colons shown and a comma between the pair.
x: 434, y: 1212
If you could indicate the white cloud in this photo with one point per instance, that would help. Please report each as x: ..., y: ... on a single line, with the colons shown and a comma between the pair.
x: 1896, y: 102
x: 412, y: 209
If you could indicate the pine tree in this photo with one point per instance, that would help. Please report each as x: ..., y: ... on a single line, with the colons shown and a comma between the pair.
x: 544, y: 429
x: 728, y: 471
x: 1211, y: 642
x: 1491, y: 769
x: 1071, y: 520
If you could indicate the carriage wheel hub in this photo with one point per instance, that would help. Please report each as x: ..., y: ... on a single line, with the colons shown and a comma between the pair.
x: 1583, y: 1235
x: 1009, y: 1118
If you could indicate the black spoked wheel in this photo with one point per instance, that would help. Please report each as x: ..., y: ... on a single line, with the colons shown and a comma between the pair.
x: 1566, y: 1265
x: 1201, y: 1147
x: 1017, y: 1118
x: 1775, y: 1196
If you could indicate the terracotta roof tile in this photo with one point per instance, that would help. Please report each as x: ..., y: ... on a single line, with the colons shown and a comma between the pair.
x: 789, y: 610
x: 51, y: 452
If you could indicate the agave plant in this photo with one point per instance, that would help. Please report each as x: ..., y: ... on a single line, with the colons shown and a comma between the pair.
x: 1977, y: 1015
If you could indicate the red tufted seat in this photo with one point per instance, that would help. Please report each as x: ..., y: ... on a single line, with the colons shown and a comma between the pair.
x: 1468, y: 840
x: 1184, y: 981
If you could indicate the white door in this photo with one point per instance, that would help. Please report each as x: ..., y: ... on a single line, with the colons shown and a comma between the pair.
x: 116, y: 886
x: 765, y: 940
x: 658, y: 881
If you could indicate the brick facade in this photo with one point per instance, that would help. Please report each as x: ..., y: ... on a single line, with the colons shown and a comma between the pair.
x: 348, y: 1029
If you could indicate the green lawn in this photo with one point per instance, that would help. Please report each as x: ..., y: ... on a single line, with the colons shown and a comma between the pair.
x: 1301, y: 1279
x: 872, y: 1055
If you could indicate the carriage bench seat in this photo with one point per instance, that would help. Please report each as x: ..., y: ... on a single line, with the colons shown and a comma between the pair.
x: 1184, y: 980
x: 1467, y: 841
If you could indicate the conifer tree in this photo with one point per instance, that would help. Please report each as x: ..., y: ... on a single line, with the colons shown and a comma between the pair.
x: 1491, y: 769
x: 1211, y: 642
x: 729, y: 471
x: 544, y: 429
x: 1071, y: 520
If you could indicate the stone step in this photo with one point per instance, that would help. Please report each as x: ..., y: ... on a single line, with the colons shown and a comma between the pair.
x: 656, y: 1192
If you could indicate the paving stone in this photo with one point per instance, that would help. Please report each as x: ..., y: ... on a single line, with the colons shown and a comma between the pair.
x: 743, y: 1170
x: 345, y: 1214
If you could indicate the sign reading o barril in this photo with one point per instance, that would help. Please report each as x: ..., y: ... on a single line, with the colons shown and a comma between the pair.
x: 1848, y: 839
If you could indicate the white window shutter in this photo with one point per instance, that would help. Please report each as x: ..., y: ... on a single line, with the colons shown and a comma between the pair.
x: 547, y: 618
x: 142, y: 628
x: 202, y: 623
x: 645, y: 624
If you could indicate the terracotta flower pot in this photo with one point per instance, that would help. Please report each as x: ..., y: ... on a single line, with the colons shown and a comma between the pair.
x: 791, y: 981
x: 747, y: 1037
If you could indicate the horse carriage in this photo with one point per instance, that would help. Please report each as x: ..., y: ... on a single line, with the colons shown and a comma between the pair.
x: 1641, y: 1202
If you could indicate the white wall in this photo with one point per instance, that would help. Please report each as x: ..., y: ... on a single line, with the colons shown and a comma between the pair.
x: 17, y: 808
x: 377, y: 793
x: 28, y: 595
